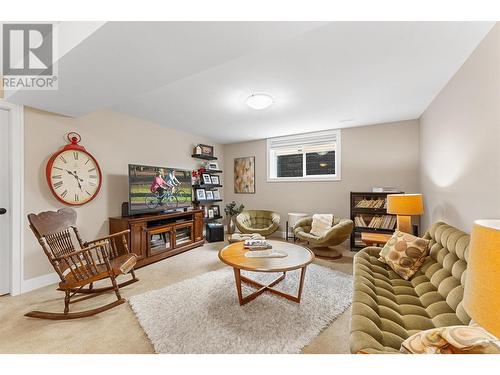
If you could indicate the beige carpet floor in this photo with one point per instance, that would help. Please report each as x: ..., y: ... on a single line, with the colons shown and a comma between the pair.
x: 117, y: 330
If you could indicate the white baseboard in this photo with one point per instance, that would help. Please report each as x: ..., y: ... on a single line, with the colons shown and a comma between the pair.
x: 39, y: 282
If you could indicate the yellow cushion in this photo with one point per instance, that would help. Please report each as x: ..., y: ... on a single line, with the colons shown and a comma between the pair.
x: 129, y: 261
x: 404, y: 253
x: 452, y: 340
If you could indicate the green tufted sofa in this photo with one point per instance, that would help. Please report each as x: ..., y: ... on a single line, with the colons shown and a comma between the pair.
x: 262, y: 222
x: 387, y: 309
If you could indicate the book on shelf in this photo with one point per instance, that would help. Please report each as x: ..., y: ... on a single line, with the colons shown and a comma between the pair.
x: 372, y: 203
x: 359, y: 221
x: 379, y: 222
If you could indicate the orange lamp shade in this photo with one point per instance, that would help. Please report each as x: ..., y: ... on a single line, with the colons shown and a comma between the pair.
x: 405, y: 204
x: 482, y: 283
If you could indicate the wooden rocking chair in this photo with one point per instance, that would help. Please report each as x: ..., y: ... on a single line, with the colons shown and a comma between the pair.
x: 80, y: 268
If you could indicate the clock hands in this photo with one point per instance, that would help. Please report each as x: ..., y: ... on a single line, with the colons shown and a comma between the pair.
x: 74, y: 175
x: 78, y: 179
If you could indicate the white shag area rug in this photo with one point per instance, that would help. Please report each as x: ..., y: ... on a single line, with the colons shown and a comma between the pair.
x: 202, y: 314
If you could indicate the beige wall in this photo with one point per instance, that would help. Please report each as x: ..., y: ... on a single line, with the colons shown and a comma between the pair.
x: 115, y: 140
x: 457, y: 145
x: 460, y: 142
x: 377, y: 155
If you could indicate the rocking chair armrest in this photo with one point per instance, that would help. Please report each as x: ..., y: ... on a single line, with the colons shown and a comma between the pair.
x: 103, y: 239
x: 87, y: 249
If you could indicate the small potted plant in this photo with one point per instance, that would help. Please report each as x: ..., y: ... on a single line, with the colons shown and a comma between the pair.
x: 231, y: 211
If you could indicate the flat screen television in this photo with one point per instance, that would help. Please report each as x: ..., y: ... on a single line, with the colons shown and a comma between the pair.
x: 156, y: 189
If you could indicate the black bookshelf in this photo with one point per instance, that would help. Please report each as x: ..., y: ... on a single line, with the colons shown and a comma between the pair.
x: 367, y: 214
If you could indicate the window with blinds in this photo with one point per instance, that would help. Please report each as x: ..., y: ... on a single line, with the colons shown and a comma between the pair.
x: 304, y: 157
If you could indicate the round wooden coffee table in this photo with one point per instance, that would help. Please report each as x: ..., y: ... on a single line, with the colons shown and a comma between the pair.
x: 298, y: 258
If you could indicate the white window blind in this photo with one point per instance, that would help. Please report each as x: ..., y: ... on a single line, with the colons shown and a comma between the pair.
x: 310, y: 156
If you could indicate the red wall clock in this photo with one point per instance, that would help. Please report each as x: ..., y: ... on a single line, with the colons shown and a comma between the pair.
x: 73, y: 174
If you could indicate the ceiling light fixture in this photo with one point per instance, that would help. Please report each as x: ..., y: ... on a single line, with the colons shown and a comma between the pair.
x: 259, y: 101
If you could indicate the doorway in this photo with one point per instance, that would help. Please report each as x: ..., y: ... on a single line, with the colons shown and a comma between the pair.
x: 11, y: 197
x: 5, y: 220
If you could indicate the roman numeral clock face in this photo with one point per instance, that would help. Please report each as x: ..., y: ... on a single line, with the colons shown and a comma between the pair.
x: 74, y: 177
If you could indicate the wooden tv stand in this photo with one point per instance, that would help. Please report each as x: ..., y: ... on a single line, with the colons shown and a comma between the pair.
x: 158, y: 236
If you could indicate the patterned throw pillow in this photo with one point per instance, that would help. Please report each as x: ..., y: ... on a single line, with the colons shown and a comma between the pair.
x: 404, y: 253
x: 452, y: 340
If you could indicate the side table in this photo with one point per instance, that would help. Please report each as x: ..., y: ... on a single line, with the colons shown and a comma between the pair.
x: 375, y: 239
x: 293, y: 217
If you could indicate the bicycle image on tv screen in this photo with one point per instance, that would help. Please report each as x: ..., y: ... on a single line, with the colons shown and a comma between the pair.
x: 159, y: 188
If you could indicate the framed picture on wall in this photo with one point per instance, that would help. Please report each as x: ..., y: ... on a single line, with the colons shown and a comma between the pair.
x: 244, y: 175
x: 206, y: 178
x: 206, y: 150
x: 209, y: 194
x: 210, y: 213
x: 216, y: 194
x: 216, y: 210
x: 215, y: 179
x: 200, y: 194
x: 212, y: 165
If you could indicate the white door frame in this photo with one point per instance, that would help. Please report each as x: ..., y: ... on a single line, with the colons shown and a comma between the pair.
x: 16, y: 177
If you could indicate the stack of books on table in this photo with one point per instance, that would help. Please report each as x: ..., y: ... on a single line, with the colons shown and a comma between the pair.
x: 257, y: 245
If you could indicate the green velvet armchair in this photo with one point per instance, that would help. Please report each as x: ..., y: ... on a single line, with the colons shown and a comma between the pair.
x: 323, y: 245
x: 262, y: 222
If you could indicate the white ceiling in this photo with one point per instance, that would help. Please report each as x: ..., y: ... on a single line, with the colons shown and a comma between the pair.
x: 195, y: 76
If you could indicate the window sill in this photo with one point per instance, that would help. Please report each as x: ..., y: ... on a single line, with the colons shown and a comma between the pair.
x: 304, y: 179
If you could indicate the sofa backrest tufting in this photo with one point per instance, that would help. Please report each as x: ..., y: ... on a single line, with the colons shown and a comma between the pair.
x: 447, y: 264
